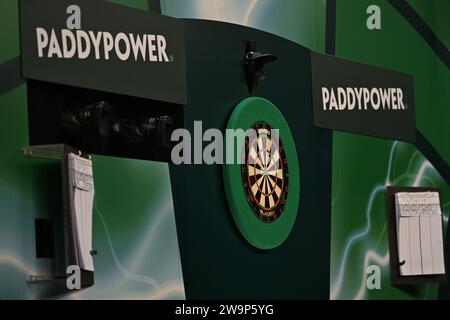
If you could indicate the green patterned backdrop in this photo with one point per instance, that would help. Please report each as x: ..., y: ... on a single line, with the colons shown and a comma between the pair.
x: 134, y: 222
x: 363, y: 166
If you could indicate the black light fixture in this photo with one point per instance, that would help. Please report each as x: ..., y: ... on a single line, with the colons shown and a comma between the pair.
x: 126, y: 131
x: 102, y: 120
x: 153, y: 130
x: 95, y: 119
x: 254, y: 63
x: 158, y: 130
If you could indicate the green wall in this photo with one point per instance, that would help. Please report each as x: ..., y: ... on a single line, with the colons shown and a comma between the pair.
x: 133, y: 221
x: 435, y: 13
x: 9, y: 19
x: 363, y: 166
x: 301, y: 21
x: 398, y: 46
x: 130, y: 193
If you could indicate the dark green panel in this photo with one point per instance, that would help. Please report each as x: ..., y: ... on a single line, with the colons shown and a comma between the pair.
x: 9, y: 29
x: 436, y: 15
x: 205, y: 268
x: 138, y: 4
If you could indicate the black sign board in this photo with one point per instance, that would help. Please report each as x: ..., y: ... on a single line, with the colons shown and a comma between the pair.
x: 104, y: 46
x: 363, y: 99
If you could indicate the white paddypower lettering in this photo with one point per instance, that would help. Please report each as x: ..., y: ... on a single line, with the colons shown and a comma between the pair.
x: 340, y: 99
x: 68, y: 44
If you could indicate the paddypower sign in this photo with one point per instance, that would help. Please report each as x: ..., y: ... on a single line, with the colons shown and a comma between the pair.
x: 103, y: 46
x: 363, y: 99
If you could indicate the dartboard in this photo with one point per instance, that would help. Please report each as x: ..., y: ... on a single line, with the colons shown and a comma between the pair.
x: 265, y: 172
x: 262, y: 191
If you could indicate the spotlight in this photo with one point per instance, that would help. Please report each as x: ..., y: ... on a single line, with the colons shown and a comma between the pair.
x: 158, y: 130
x: 94, y: 119
x: 127, y: 131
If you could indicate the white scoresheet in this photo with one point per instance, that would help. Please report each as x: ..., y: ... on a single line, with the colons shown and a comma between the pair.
x: 419, y: 233
x: 81, y: 181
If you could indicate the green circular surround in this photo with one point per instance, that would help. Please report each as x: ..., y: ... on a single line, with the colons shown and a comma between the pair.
x: 260, y: 234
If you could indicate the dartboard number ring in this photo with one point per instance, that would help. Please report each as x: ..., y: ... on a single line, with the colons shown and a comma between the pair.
x: 263, y: 189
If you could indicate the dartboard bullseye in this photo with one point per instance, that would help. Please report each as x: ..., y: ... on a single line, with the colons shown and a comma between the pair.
x: 265, y: 173
x: 263, y: 191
